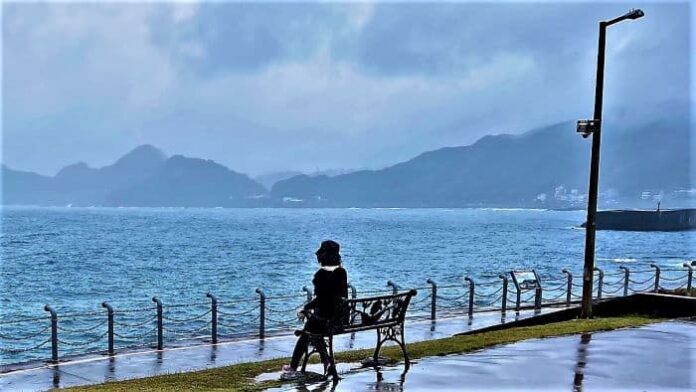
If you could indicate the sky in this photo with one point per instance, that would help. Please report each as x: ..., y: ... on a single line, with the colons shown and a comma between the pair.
x: 264, y: 87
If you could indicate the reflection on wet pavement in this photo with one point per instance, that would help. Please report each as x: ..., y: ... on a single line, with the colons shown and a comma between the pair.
x: 659, y: 357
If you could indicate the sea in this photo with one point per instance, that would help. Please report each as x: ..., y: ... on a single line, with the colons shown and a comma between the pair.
x: 75, y: 258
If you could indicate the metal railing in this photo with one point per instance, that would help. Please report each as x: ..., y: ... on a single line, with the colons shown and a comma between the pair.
x: 57, y: 336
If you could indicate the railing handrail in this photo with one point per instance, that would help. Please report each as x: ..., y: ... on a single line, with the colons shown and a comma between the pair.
x: 467, y: 300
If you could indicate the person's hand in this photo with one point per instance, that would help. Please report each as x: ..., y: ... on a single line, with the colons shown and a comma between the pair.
x: 302, y: 315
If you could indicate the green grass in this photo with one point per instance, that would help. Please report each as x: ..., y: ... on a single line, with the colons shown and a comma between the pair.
x: 241, y: 377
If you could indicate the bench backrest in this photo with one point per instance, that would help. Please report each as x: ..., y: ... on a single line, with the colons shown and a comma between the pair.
x: 372, y: 312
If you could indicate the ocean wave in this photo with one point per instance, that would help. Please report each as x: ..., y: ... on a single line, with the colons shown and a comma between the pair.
x: 619, y: 259
x: 514, y: 209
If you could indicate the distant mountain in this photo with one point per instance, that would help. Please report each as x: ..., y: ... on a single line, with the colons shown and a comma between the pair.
x: 20, y: 187
x: 639, y: 160
x: 511, y: 170
x: 191, y: 182
x: 143, y: 177
x: 268, y: 179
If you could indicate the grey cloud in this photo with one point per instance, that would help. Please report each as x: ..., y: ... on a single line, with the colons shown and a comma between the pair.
x: 286, y: 86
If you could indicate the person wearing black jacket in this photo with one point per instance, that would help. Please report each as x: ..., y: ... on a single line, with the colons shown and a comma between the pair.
x: 330, y: 287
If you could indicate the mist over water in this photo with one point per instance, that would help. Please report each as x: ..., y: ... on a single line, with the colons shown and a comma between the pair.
x: 75, y: 258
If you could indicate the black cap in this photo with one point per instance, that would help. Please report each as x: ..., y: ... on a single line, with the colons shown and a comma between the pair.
x: 329, y: 247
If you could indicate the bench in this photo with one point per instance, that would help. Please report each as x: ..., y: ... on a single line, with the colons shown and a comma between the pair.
x: 384, y: 314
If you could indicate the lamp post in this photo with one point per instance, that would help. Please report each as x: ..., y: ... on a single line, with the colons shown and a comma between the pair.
x: 593, y: 127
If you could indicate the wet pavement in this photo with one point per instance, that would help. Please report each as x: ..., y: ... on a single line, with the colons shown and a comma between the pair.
x: 98, y: 369
x: 657, y: 357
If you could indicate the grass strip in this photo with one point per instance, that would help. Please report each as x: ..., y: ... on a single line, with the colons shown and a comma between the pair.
x: 240, y: 377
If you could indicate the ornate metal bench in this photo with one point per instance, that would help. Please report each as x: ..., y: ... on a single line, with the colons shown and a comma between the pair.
x: 385, y: 314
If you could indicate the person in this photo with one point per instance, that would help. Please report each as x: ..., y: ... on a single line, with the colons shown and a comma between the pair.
x: 330, y: 288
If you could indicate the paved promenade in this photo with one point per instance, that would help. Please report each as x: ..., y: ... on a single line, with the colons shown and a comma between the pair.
x: 98, y: 369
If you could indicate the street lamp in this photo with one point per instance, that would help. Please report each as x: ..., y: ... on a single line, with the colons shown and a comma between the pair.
x: 593, y: 127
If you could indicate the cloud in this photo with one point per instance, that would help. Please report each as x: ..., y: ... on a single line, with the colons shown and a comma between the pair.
x: 263, y: 87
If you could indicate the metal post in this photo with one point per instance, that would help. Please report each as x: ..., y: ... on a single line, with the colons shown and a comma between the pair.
x: 519, y: 292
x: 591, y: 225
x: 433, y: 299
x: 689, y: 278
x: 354, y: 295
x: 569, y: 287
x: 214, y: 317
x: 657, y: 277
x: 600, y: 283
x: 54, y: 333
x: 262, y: 313
x: 394, y: 286
x: 503, y: 305
x: 110, y: 326
x: 538, y: 291
x: 627, y: 276
x: 471, y: 295
x: 160, y: 329
x: 308, y: 291
x: 353, y: 291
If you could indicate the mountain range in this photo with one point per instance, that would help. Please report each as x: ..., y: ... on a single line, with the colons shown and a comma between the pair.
x: 143, y: 177
x: 524, y: 170
x: 513, y: 170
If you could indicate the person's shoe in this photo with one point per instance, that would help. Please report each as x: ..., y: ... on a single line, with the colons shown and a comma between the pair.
x: 290, y: 374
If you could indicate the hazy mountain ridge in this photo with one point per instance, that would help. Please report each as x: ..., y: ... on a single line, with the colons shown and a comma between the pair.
x: 143, y: 177
x: 514, y: 170
x: 498, y: 170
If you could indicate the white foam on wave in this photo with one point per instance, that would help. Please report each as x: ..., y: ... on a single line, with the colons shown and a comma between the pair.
x: 619, y: 259
x: 681, y: 263
x: 514, y: 209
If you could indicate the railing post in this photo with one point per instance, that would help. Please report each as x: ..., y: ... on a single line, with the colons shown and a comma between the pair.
x: 213, y: 317
x: 569, y: 287
x: 54, y: 333
x: 308, y: 291
x: 657, y: 277
x: 433, y: 299
x: 262, y: 313
x: 503, y: 305
x: 600, y: 282
x: 353, y: 291
x: 394, y: 286
x: 354, y: 295
x: 689, y: 278
x: 519, y: 292
x: 627, y: 279
x: 160, y: 329
x: 109, y: 326
x: 538, y: 292
x: 471, y: 295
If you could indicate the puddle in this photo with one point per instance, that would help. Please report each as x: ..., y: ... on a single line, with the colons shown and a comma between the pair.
x: 659, y: 357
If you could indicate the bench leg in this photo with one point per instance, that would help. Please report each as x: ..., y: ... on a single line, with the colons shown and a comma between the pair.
x: 319, y: 346
x: 378, y: 347
x: 306, y: 358
x: 395, y: 334
x: 402, y: 343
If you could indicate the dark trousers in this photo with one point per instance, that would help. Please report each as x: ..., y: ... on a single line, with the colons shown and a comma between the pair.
x: 313, y: 325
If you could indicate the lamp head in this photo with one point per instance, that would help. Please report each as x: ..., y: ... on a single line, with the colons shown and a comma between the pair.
x: 635, y: 14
